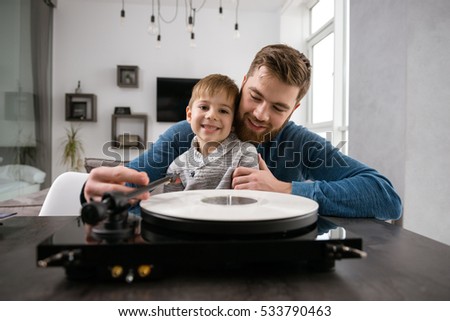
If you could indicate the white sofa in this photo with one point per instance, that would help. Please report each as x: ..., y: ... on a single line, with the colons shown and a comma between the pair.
x: 17, y: 180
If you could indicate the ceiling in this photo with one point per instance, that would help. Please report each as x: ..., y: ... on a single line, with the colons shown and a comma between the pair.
x: 245, y: 5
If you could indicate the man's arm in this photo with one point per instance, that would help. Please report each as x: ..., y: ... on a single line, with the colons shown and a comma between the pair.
x: 108, y: 179
x: 364, y: 194
x: 342, y: 185
x: 303, y: 163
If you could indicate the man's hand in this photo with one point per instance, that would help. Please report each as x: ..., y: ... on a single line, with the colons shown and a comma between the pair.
x: 107, y: 179
x: 262, y: 179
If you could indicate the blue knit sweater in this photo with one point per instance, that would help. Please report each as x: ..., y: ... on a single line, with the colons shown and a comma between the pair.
x: 341, y: 185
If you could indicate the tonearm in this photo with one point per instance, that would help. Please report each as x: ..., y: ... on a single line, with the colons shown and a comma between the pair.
x: 112, y: 211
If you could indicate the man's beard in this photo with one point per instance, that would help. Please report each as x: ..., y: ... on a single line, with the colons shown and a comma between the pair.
x: 247, y: 135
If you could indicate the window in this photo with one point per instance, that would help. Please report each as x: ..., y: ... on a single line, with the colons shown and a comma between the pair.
x: 322, y: 87
x: 321, y: 12
x: 326, y: 43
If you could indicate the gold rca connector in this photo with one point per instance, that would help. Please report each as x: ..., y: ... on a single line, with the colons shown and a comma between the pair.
x: 144, y: 270
x: 116, y: 271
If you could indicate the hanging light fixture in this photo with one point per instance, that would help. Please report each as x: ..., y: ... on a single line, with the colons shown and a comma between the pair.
x: 237, y: 34
x: 122, y: 13
x: 190, y: 25
x: 158, y: 38
x: 152, y: 26
x: 220, y: 10
x: 191, y: 19
x: 158, y: 41
x: 192, y: 44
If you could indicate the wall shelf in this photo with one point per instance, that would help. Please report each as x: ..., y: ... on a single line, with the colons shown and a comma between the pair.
x: 81, y: 107
x: 129, y: 131
x: 128, y: 76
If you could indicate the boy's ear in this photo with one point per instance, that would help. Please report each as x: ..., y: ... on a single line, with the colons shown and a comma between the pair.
x: 188, y: 114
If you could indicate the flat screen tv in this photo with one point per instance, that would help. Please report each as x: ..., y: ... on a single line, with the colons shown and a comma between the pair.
x: 172, y: 98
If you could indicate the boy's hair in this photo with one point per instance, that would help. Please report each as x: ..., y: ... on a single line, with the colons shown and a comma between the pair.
x: 287, y: 64
x: 214, y: 84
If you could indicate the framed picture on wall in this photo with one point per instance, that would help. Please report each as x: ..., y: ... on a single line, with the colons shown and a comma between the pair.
x: 128, y: 76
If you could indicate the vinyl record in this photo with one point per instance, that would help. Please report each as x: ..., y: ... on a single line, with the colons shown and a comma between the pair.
x: 229, y: 212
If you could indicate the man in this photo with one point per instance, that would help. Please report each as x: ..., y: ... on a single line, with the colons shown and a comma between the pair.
x: 293, y: 159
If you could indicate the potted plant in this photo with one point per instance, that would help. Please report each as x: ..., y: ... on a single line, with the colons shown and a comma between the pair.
x: 72, y: 149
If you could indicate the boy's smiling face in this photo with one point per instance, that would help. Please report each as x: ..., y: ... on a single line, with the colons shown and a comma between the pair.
x: 211, y: 118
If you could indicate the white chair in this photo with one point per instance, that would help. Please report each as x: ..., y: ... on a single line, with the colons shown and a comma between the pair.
x: 63, y: 198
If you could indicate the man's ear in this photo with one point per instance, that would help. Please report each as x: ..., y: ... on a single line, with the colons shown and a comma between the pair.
x: 296, y: 106
x: 244, y: 81
x: 188, y: 114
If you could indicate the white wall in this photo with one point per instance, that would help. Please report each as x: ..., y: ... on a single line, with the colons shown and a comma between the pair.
x: 89, y: 42
x: 399, y: 103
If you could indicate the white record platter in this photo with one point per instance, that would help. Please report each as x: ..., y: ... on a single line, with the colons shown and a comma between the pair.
x: 229, y: 211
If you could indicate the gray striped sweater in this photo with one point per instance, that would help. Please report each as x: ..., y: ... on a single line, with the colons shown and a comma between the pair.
x: 215, y: 170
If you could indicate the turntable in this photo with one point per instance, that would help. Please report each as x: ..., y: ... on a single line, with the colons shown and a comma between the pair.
x: 196, y: 230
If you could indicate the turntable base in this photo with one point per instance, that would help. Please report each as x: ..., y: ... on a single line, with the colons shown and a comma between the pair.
x: 153, y: 252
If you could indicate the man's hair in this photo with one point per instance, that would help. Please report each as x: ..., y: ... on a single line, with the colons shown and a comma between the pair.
x: 212, y: 85
x: 287, y: 64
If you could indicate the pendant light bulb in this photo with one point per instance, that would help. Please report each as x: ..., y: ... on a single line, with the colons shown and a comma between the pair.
x: 158, y: 42
x: 122, y: 16
x: 237, y: 34
x: 152, y: 26
x: 192, y: 44
x: 190, y: 25
x: 122, y: 13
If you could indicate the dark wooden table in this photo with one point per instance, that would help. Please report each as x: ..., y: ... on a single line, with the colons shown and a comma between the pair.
x: 401, y: 265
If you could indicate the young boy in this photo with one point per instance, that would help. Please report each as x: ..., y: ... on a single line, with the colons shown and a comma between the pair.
x: 215, y: 151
